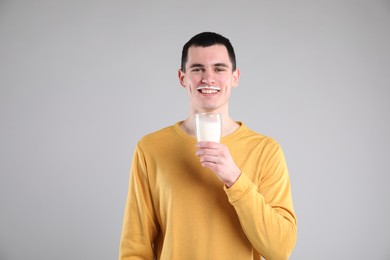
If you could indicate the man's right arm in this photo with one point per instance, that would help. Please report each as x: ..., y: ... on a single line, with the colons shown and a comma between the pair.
x: 139, y: 225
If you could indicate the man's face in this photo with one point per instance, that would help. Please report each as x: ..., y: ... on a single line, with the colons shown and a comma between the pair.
x: 209, y: 78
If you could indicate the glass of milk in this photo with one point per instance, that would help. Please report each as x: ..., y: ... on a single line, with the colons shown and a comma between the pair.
x: 208, y: 127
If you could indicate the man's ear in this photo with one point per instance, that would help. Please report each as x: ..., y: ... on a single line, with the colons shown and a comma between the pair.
x: 236, y: 77
x: 181, y: 76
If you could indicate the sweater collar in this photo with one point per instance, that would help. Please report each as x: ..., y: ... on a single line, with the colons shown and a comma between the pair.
x: 179, y: 132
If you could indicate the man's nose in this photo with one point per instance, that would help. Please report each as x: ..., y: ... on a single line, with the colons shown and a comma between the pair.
x: 208, y: 78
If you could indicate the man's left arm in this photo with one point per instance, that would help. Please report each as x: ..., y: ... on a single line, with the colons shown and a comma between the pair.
x: 265, y: 209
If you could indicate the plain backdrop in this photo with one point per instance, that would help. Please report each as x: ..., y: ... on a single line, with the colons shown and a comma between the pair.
x: 82, y: 81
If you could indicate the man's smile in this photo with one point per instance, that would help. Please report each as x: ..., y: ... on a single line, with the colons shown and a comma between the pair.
x: 208, y: 89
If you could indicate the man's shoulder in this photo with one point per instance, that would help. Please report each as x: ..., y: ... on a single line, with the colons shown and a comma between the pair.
x: 157, y: 135
x: 257, y: 137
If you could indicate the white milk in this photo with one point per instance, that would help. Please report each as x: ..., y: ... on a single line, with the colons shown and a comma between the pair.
x: 208, y: 128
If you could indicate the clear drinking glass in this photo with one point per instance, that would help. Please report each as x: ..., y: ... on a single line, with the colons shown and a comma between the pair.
x: 208, y: 127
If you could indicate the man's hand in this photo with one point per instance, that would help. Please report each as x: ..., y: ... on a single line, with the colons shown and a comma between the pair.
x: 217, y: 157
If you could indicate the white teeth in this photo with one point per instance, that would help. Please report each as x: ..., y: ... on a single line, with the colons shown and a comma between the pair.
x: 208, y: 89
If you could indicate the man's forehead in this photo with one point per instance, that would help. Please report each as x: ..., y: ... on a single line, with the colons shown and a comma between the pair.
x: 216, y: 55
x: 212, y: 48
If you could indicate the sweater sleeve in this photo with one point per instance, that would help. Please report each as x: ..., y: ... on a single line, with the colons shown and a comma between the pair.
x: 265, y: 209
x: 139, y: 225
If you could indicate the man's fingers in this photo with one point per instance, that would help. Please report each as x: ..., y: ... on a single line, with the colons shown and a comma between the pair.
x: 209, y: 158
x: 205, y: 144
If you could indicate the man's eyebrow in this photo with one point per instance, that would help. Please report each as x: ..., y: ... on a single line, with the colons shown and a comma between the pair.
x: 221, y: 65
x: 196, y: 65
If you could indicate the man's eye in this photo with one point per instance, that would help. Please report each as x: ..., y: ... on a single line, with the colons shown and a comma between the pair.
x: 220, y: 69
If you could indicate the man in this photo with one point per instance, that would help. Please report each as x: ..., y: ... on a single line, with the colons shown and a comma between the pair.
x: 207, y: 200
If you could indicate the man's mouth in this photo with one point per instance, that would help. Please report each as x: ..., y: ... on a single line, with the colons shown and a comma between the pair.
x: 208, y: 89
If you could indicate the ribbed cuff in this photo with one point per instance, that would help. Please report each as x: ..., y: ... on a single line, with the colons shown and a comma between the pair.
x: 239, y: 189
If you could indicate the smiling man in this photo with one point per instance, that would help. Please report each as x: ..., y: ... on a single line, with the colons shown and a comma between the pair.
x: 207, y: 200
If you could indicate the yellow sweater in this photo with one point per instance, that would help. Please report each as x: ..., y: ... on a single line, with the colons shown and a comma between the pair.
x: 176, y: 209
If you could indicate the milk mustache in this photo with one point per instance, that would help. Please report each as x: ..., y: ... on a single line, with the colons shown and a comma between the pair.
x: 208, y: 127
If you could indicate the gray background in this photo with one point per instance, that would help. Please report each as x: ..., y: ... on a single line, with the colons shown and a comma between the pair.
x: 82, y: 81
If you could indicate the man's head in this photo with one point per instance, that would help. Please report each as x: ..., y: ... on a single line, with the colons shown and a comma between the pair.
x: 207, y: 39
x: 208, y: 72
